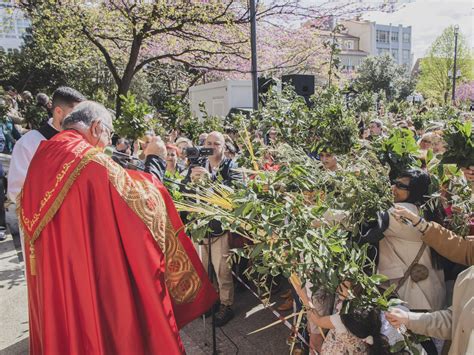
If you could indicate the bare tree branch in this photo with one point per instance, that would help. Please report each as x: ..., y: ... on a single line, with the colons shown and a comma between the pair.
x: 180, y: 54
x: 105, y: 53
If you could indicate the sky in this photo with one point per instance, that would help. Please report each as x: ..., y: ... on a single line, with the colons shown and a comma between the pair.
x: 428, y: 19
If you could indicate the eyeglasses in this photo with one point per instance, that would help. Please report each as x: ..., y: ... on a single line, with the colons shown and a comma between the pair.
x: 401, y: 185
x: 110, y: 129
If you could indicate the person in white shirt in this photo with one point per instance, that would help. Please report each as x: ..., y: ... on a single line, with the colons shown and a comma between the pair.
x: 64, y: 99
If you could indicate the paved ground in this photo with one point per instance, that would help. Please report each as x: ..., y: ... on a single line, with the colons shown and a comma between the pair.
x: 231, y: 339
x: 13, y: 298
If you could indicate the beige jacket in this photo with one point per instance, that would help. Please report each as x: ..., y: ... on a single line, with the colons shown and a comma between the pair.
x: 449, y: 245
x: 397, y: 251
x: 455, y: 323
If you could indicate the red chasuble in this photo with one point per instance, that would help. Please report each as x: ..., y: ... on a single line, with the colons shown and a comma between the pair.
x: 110, y: 270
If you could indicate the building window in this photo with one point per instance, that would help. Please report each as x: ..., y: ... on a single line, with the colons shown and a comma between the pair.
x: 383, y: 51
x: 406, y: 37
x: 395, y: 54
x: 349, y: 44
x: 7, y: 29
x: 21, y: 26
x: 382, y: 36
x: 406, y: 55
x: 394, y: 36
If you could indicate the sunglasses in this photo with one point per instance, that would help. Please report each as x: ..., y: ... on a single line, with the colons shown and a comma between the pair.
x: 401, y: 185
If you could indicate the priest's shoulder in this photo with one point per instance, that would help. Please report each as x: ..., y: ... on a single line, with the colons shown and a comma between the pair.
x: 29, y: 141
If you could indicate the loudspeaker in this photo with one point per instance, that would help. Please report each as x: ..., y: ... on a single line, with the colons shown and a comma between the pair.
x: 303, y: 84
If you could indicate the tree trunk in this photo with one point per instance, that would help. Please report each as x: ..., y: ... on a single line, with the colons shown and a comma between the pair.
x: 122, y: 90
x: 128, y: 74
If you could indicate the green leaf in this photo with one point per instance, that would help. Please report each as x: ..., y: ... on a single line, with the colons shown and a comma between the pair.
x: 336, y: 248
x: 257, y: 250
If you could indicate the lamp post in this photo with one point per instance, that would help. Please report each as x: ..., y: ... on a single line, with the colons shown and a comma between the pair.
x: 253, y: 45
x: 456, y: 32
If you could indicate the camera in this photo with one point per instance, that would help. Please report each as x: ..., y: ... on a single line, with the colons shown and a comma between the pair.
x: 197, y: 156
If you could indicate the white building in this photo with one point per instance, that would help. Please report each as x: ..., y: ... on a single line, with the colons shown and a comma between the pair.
x: 13, y: 25
x: 351, y: 55
x: 378, y: 40
x: 220, y: 97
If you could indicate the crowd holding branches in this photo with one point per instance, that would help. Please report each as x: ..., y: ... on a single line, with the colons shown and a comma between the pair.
x: 304, y: 220
x: 312, y: 188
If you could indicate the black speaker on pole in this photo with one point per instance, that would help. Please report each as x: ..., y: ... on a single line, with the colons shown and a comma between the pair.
x: 303, y: 84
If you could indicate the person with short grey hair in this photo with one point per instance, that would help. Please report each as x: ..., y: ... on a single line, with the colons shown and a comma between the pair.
x: 93, y: 121
x: 95, y: 252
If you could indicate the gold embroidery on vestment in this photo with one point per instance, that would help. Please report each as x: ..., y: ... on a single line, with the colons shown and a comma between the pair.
x: 146, y: 202
x: 59, y: 178
x: 48, y: 216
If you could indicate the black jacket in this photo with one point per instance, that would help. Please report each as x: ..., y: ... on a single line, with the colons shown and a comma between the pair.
x: 226, y: 173
x: 155, y: 166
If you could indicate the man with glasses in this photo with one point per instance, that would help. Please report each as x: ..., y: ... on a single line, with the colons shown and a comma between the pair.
x: 105, y: 249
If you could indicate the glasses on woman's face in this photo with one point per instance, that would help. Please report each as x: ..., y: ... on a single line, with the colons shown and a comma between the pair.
x: 400, y: 185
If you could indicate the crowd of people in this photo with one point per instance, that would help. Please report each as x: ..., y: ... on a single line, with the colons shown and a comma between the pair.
x: 429, y: 264
x: 398, y: 244
x: 17, y: 111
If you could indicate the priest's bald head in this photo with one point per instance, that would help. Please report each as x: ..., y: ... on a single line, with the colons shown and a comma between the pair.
x: 93, y: 121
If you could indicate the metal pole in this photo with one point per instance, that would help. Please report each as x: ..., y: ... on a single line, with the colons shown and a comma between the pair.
x: 455, y: 59
x: 253, y: 45
x: 210, y: 270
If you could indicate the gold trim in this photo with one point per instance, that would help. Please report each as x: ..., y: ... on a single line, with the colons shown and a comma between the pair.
x: 77, y: 151
x: 88, y: 157
x: 51, y: 212
x: 145, y: 200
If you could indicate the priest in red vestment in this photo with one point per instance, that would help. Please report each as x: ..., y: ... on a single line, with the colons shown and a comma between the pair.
x: 109, y: 268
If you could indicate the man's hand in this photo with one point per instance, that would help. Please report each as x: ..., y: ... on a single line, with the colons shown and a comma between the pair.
x: 469, y: 174
x: 397, y: 317
x: 172, y: 136
x: 400, y: 212
x: 156, y: 147
x: 198, y: 173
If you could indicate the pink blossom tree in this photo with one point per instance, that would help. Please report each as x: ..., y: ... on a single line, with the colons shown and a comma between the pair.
x: 465, y: 92
x: 206, y: 36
